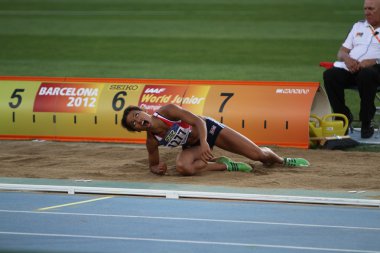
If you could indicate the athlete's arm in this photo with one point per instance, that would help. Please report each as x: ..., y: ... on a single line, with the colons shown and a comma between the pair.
x: 175, y: 112
x: 155, y: 165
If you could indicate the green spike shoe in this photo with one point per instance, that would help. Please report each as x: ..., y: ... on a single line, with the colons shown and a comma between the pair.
x: 234, y: 166
x: 296, y: 162
x: 223, y: 159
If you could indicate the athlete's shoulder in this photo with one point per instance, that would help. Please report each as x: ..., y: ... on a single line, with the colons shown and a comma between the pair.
x: 170, y: 107
x: 165, y: 108
x: 170, y: 111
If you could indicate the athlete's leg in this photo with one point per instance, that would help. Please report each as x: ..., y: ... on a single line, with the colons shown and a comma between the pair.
x: 232, y: 141
x: 235, y: 142
x: 188, y: 162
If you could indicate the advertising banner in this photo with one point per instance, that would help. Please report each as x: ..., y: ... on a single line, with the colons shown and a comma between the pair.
x: 80, y: 109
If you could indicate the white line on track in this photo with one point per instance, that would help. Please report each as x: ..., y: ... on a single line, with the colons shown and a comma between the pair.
x: 73, y: 203
x: 194, y: 219
x: 188, y: 242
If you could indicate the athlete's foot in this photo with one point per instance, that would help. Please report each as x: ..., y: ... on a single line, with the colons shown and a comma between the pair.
x: 234, y: 166
x: 222, y: 159
x: 296, y: 162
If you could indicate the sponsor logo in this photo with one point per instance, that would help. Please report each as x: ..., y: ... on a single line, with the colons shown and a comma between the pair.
x: 293, y: 91
x: 68, y: 91
x: 359, y: 34
x: 67, y: 97
x: 154, y: 90
x: 123, y: 87
x: 153, y: 96
x: 212, y: 130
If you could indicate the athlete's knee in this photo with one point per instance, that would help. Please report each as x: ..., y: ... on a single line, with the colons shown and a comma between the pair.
x: 266, y: 155
x: 185, y: 169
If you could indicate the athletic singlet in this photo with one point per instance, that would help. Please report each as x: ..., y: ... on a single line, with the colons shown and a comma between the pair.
x: 176, y: 135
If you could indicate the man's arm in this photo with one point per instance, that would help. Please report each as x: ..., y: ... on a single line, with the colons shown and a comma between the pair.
x: 344, y: 56
x: 367, y: 63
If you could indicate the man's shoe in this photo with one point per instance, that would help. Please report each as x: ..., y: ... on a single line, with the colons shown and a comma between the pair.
x: 367, y: 131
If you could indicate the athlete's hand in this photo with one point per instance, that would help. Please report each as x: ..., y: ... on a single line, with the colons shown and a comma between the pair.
x: 159, y: 169
x: 206, y: 154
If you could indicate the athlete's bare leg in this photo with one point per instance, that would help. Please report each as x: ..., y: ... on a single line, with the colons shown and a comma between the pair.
x: 232, y: 141
x: 189, y: 162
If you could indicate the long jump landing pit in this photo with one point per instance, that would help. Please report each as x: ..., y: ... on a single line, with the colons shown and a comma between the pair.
x: 351, y: 173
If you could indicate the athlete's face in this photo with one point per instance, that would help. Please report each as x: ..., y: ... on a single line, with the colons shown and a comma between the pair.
x: 372, y: 12
x: 139, y: 120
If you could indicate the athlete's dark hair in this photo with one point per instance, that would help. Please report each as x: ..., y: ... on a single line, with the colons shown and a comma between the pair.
x: 125, y: 115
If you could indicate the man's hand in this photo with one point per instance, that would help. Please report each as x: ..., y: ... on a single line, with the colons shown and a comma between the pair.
x: 344, y: 55
x: 352, y: 65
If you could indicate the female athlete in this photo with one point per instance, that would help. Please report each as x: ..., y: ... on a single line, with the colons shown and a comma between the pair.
x: 173, y: 126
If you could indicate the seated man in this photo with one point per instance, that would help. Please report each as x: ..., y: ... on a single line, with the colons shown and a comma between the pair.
x: 358, y: 66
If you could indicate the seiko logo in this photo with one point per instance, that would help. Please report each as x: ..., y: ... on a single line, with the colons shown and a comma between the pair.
x: 293, y: 91
x: 154, y: 90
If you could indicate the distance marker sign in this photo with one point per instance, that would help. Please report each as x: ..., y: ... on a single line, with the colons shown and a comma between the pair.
x: 79, y: 109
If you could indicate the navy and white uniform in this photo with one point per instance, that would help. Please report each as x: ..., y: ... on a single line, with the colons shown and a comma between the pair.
x: 179, y: 132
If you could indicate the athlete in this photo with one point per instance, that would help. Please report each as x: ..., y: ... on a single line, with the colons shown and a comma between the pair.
x: 173, y: 126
